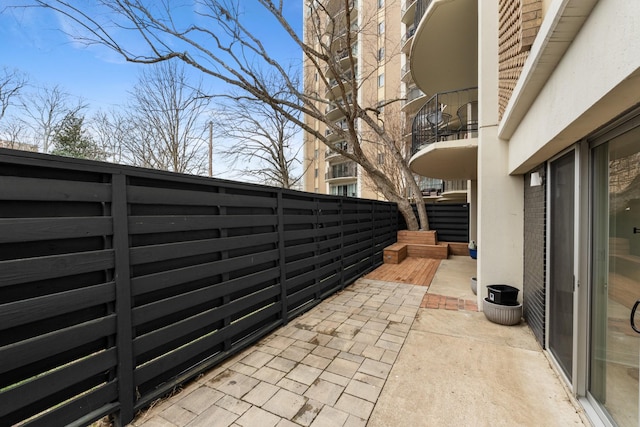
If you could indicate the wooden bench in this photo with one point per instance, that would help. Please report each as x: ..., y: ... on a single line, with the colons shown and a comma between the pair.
x: 437, y: 251
x: 395, y: 253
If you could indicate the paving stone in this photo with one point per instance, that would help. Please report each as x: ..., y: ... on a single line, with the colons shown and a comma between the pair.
x: 354, y: 421
x: 286, y: 423
x: 268, y: 374
x: 326, y: 352
x: 388, y: 345
x: 177, y: 415
x: 375, y: 368
x: 323, y: 339
x: 354, y: 322
x: 234, y: 383
x: 308, y: 412
x: 367, y: 338
x: 363, y: 390
x: 281, y: 364
x: 395, y: 317
x: 334, y: 378
x: 358, y: 348
x: 392, y: 338
x: 200, y: 399
x: 304, y: 374
x: 303, y: 335
x: 269, y: 350
x: 347, y: 331
x: 369, y: 379
x: 340, y: 344
x: 327, y: 327
x: 330, y: 417
x: 279, y: 342
x: 234, y: 405
x: 214, y: 416
x: 309, y: 346
x: 285, y: 404
x: 258, y: 417
x: 350, y: 356
x: 292, y: 386
x: 261, y: 393
x: 343, y: 367
x: 316, y: 361
x: 295, y: 353
x: 354, y: 405
x: 373, y: 352
x: 324, y: 391
x: 242, y: 368
x: 156, y: 421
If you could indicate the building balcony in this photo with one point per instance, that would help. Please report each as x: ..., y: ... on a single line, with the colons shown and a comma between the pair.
x: 342, y: 172
x: 408, y: 11
x: 407, y: 39
x: 405, y: 73
x: 444, y: 50
x: 332, y: 154
x: 414, y: 99
x: 444, y: 136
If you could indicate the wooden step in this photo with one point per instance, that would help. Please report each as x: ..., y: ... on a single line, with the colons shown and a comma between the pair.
x: 418, y: 237
x: 439, y: 251
x: 395, y: 254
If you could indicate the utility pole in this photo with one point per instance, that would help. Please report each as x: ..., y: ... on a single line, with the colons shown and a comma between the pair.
x: 210, y: 148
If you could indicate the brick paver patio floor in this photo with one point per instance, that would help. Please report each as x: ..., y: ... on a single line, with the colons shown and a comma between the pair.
x: 325, y: 368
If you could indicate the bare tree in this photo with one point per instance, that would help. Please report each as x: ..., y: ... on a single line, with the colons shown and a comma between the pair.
x: 111, y: 130
x: 11, y: 84
x: 168, y: 116
x: 13, y: 132
x: 45, y: 109
x: 263, y: 139
x: 220, y: 44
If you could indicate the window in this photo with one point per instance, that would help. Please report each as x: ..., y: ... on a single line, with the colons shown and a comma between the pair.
x: 381, y: 27
x: 381, y: 80
x: 380, y: 4
x: 381, y: 158
x: 381, y: 54
x: 315, y: 154
x: 315, y: 173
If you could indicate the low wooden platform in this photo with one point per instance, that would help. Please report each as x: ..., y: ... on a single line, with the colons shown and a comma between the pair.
x: 413, y: 271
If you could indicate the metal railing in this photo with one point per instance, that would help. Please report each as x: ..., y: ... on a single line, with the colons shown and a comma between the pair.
x: 421, y: 8
x: 342, y: 170
x: 445, y: 116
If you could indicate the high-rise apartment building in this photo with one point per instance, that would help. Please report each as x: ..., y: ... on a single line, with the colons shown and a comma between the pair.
x: 378, y: 39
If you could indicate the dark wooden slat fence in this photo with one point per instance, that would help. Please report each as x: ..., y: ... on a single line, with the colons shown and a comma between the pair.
x: 118, y: 283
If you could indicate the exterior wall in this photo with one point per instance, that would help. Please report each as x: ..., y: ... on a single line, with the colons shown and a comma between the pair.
x: 596, y: 79
x: 534, y: 255
x: 500, y: 199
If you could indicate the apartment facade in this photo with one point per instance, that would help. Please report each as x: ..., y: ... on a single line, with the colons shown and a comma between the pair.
x: 381, y: 35
x: 551, y: 145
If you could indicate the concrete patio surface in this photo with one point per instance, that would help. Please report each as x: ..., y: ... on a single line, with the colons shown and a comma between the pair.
x: 374, y: 355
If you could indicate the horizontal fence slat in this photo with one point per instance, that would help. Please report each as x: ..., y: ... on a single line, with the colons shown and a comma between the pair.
x: 53, y: 382
x: 82, y: 410
x: 168, y: 196
x: 33, y: 349
x: 159, y: 309
x: 51, y: 190
x: 31, y: 310
x: 13, y: 272
x: 162, y: 252
x: 36, y: 229
x: 165, y: 279
x: 209, y: 317
x: 172, y: 223
x: 152, y: 369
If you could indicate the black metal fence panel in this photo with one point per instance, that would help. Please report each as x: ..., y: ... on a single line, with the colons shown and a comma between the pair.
x: 118, y: 283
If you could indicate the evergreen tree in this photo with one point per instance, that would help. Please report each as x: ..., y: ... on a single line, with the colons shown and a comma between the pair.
x: 71, y: 139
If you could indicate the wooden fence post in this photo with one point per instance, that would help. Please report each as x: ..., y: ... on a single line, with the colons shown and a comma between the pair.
x: 124, y: 336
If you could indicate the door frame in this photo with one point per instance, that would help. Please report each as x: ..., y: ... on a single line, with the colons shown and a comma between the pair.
x: 572, y: 382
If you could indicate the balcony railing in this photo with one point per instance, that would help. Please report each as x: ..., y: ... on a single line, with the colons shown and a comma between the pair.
x: 410, y: 32
x: 342, y: 170
x: 342, y: 146
x: 446, y: 116
x: 413, y: 94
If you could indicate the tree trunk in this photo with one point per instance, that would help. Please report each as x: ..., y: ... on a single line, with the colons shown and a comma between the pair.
x: 422, y: 210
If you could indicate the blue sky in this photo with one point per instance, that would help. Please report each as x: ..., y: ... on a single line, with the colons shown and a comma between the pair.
x: 31, y: 41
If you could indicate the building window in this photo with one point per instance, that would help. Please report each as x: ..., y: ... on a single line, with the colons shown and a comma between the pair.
x: 381, y: 80
x: 381, y: 158
x: 348, y: 190
x: 315, y: 173
x: 315, y: 154
x: 381, y: 27
x: 380, y: 4
x: 381, y: 54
